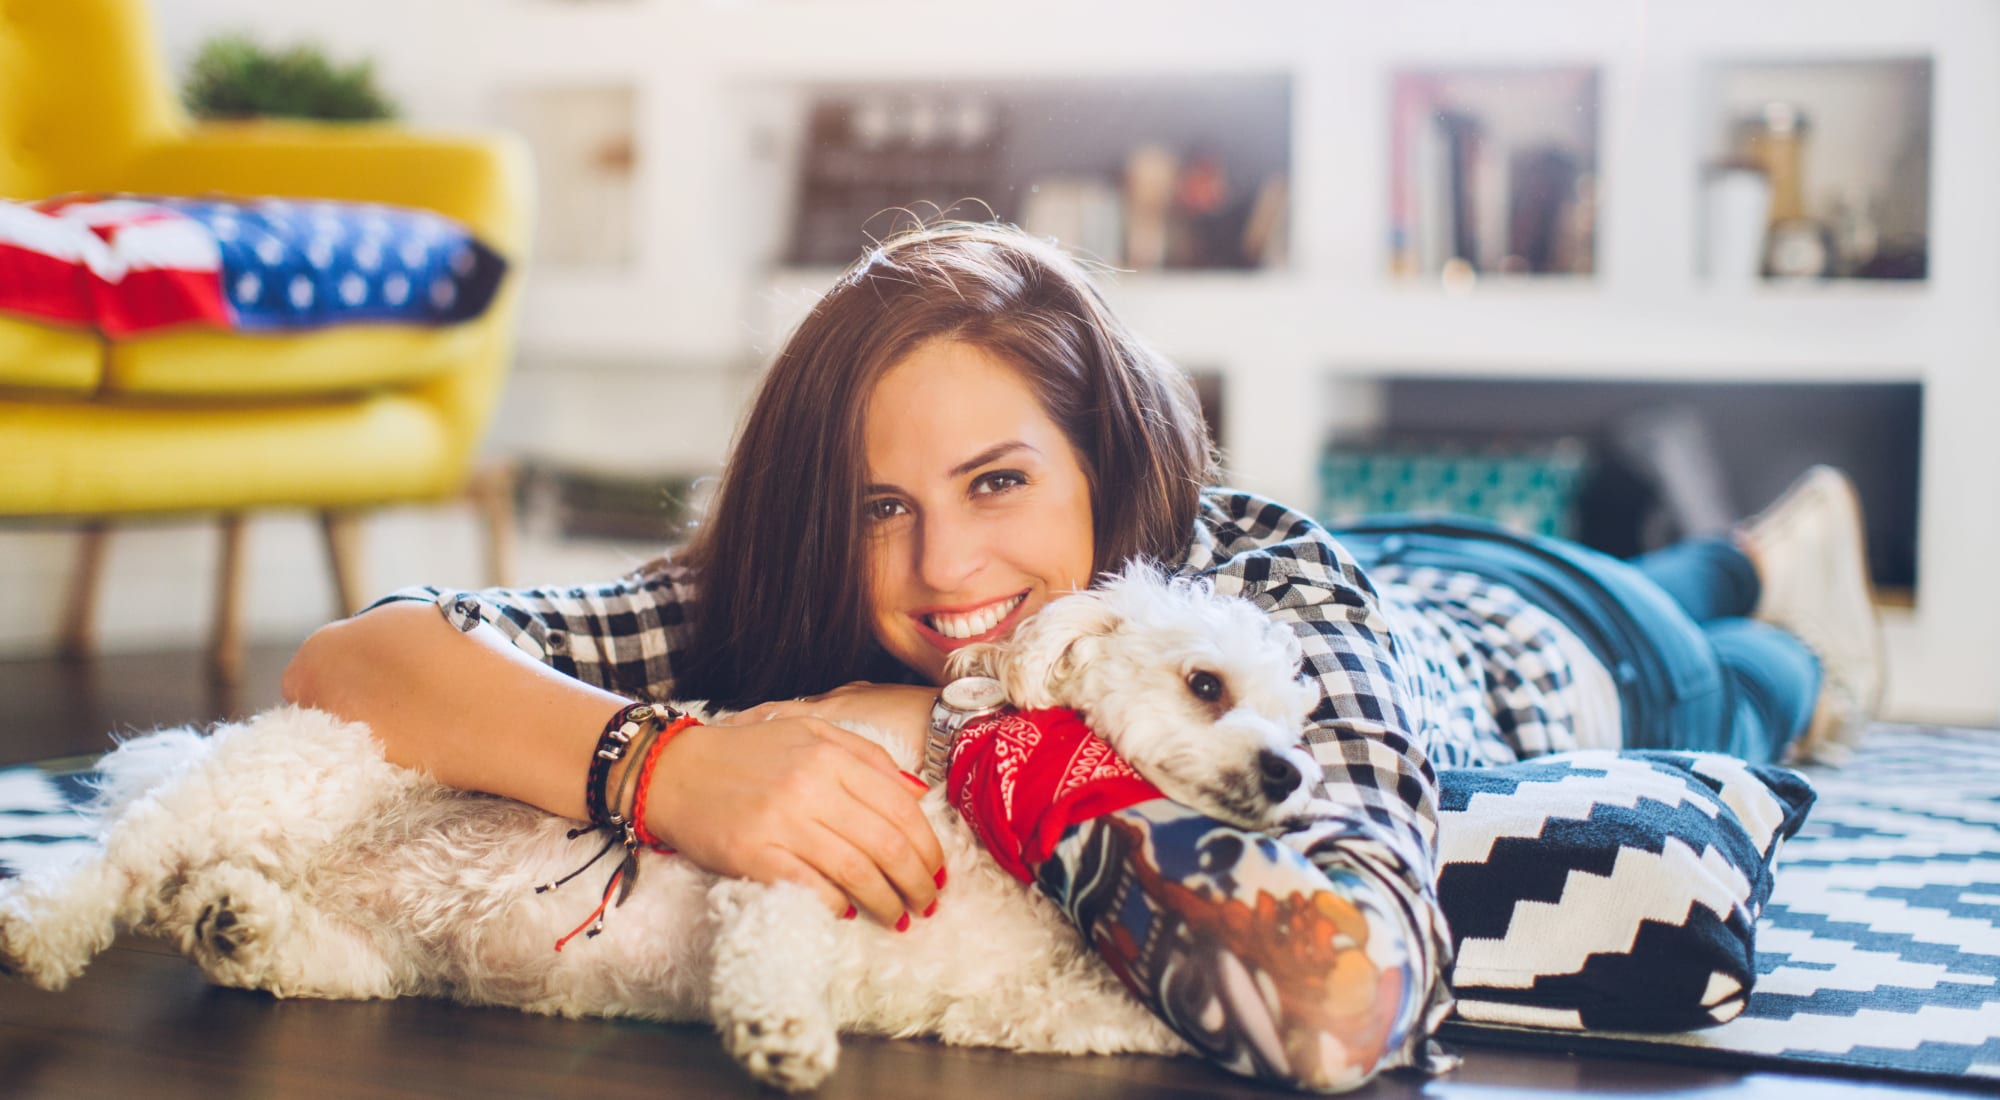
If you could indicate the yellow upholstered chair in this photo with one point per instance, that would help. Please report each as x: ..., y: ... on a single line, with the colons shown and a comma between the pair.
x: 336, y: 421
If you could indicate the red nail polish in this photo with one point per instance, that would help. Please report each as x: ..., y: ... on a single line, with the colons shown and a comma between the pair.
x: 849, y: 915
x: 932, y: 910
x: 903, y: 923
x: 939, y: 878
x: 917, y: 779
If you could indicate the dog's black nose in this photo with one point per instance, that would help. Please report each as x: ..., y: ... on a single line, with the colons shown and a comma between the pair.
x: 1278, y: 776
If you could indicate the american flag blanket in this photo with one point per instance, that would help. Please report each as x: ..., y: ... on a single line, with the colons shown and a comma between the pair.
x: 128, y: 265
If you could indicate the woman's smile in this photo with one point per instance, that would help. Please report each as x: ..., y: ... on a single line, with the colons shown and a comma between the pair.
x: 952, y: 628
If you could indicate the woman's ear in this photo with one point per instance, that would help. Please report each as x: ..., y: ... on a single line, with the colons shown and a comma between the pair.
x: 1042, y: 659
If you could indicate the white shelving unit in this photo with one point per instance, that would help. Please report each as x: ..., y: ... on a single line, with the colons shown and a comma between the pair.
x: 718, y: 88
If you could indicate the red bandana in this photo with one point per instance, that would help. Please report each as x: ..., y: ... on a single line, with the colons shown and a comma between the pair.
x: 1022, y: 778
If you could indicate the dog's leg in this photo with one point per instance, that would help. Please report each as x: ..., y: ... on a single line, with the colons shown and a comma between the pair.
x: 774, y: 950
x: 245, y: 930
x: 52, y: 925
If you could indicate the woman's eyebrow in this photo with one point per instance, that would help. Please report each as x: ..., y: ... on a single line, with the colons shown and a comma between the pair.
x: 989, y: 455
x: 998, y: 450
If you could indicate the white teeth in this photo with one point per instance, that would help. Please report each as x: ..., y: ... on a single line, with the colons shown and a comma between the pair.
x: 975, y: 623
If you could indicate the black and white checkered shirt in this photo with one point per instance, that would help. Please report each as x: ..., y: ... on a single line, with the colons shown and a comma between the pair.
x: 1419, y: 669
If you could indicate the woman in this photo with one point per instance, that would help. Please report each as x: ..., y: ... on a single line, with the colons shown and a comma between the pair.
x: 959, y: 433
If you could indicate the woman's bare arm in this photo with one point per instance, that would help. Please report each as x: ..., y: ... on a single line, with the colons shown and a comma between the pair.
x: 796, y: 799
x: 468, y: 708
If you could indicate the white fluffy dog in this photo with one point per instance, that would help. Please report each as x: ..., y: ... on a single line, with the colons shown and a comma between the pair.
x: 285, y: 854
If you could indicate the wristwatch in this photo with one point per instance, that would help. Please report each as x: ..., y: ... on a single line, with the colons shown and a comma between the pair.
x: 961, y: 701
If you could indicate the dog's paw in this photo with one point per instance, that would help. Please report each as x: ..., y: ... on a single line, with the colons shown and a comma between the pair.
x: 221, y: 931
x: 230, y: 917
x: 793, y: 1053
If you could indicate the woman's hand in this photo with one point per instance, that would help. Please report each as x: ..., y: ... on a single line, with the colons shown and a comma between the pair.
x: 798, y: 799
x: 901, y: 710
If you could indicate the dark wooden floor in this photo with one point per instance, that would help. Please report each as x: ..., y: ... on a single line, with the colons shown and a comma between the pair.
x: 142, y: 1022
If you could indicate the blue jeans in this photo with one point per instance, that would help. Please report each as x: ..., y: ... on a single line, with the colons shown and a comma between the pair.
x: 1672, y: 627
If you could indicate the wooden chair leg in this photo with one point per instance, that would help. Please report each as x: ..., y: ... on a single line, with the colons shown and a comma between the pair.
x: 226, y: 647
x: 492, y: 492
x: 343, y: 553
x: 79, y: 640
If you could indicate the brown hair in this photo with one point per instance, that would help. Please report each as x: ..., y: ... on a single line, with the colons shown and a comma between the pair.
x: 780, y: 561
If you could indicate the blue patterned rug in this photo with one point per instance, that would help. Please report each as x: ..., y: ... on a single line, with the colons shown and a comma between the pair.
x: 1880, y: 947
x: 1878, y: 952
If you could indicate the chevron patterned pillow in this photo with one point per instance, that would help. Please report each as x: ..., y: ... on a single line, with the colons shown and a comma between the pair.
x: 1610, y: 889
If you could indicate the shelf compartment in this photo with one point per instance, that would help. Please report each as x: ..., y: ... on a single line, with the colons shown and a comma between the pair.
x: 1815, y: 170
x: 1184, y: 172
x: 1493, y: 171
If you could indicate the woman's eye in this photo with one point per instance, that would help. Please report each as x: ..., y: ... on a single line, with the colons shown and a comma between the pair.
x: 884, y: 508
x: 999, y: 481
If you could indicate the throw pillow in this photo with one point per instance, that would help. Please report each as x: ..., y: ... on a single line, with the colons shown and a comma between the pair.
x: 1615, y: 890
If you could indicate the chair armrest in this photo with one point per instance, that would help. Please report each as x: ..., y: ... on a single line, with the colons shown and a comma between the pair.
x: 485, y: 181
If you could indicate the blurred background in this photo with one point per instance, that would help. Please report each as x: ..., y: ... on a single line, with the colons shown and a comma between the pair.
x: 1610, y: 269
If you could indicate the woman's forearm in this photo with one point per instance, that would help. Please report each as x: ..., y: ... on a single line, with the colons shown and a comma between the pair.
x: 1310, y: 972
x: 468, y: 708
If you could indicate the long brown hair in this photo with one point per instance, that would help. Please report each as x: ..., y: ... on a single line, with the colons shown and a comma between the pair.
x: 780, y: 561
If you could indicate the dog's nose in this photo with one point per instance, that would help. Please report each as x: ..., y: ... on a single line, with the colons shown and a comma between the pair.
x: 1278, y: 776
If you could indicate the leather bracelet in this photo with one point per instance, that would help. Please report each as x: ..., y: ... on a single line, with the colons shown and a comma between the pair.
x: 612, y: 745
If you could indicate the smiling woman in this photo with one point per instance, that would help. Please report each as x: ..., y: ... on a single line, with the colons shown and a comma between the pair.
x: 960, y: 432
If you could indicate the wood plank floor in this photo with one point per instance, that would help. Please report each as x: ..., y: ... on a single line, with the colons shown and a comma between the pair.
x: 142, y: 1022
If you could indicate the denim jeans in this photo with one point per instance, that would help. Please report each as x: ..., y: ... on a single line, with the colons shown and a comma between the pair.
x: 1672, y: 627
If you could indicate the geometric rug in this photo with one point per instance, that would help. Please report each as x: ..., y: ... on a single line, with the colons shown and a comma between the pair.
x: 1878, y: 952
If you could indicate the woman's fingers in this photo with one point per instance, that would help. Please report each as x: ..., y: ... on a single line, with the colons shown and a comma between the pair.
x: 900, y: 836
x: 854, y: 872
x: 785, y: 797
x: 871, y: 754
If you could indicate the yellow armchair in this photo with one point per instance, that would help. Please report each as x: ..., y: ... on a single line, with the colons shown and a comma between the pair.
x: 335, y: 421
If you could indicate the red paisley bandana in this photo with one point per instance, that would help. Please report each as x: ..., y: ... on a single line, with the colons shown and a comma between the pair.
x: 1022, y: 778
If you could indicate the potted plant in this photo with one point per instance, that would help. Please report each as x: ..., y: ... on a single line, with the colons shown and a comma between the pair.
x: 233, y: 77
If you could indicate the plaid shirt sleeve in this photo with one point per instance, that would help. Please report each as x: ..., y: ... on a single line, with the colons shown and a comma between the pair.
x: 623, y: 635
x: 1377, y: 811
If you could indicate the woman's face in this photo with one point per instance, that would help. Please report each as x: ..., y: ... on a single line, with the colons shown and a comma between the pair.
x: 977, y: 508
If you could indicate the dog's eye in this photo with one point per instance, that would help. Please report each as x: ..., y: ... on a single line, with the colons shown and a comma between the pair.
x: 1206, y: 685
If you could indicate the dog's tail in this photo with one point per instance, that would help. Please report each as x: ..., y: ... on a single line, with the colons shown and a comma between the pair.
x: 141, y: 764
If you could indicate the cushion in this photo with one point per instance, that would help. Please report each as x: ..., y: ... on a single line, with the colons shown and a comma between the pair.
x: 128, y: 264
x: 1610, y: 890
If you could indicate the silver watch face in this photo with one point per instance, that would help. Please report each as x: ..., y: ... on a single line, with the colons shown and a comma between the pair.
x: 973, y: 693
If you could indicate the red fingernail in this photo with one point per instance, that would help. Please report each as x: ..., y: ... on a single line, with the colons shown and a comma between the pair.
x: 918, y: 780
x: 939, y: 878
x: 903, y: 923
x: 930, y: 911
x: 849, y: 915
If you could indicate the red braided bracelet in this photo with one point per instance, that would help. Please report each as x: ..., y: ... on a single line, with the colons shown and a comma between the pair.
x: 645, y: 835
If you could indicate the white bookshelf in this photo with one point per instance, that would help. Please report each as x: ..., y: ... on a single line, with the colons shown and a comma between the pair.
x: 719, y: 84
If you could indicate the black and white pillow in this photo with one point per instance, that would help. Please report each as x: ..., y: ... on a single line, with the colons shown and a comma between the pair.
x: 1613, y: 890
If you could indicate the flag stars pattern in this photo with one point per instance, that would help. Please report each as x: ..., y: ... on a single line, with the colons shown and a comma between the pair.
x: 300, y: 265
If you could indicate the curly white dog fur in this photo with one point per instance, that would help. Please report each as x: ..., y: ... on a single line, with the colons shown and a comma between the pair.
x: 285, y: 854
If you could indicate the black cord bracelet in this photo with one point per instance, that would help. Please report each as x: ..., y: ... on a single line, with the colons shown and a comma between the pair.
x: 612, y: 746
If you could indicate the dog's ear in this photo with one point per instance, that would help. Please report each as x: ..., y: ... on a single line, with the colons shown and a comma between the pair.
x: 977, y: 659
x: 1043, y: 656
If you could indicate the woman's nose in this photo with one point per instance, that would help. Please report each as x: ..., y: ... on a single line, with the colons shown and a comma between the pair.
x: 949, y: 554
